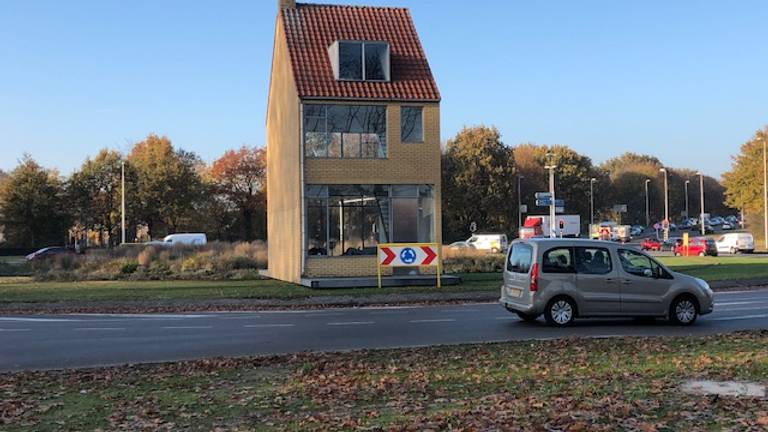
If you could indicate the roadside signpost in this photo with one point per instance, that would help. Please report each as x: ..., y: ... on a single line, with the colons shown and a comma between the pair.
x: 408, y: 255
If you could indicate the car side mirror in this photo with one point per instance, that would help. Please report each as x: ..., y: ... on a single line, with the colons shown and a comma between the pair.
x: 648, y: 273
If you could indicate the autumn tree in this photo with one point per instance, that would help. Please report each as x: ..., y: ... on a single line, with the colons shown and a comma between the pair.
x: 744, y: 181
x: 94, y: 191
x: 168, y: 185
x: 240, y: 177
x: 33, y: 211
x: 478, y: 183
x: 572, y: 178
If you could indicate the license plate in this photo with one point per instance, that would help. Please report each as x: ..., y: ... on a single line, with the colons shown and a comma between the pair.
x: 515, y: 292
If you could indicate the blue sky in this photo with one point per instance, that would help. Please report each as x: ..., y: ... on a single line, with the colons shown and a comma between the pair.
x: 684, y: 80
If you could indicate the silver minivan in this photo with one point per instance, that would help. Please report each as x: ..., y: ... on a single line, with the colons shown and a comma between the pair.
x: 565, y: 279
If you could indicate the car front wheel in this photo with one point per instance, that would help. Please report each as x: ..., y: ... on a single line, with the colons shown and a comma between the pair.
x: 683, y: 311
x: 561, y: 311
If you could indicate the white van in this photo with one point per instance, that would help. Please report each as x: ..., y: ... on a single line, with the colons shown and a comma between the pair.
x: 188, y: 239
x: 494, y: 243
x: 735, y: 243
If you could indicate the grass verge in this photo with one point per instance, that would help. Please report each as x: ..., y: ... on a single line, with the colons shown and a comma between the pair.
x: 566, y: 385
x: 19, y: 290
x: 720, y: 268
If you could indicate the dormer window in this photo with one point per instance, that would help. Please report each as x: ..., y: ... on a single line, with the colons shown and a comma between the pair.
x: 360, y: 60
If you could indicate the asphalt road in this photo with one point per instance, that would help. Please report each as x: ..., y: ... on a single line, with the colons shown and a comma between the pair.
x: 67, y: 341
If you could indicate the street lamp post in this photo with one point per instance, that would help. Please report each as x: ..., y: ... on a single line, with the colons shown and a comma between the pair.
x: 519, y: 205
x: 592, y: 201
x: 701, y: 191
x: 666, y: 205
x: 765, y: 196
x: 122, y: 201
x: 647, y: 205
x: 687, y: 182
x: 551, y: 167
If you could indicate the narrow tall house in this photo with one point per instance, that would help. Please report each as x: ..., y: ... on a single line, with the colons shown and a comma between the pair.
x: 353, y: 140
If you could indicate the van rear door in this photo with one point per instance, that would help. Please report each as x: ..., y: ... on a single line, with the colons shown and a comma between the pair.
x: 517, y: 274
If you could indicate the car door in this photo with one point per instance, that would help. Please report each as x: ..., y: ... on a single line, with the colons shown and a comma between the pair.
x: 558, y: 273
x: 644, y: 284
x: 596, y: 281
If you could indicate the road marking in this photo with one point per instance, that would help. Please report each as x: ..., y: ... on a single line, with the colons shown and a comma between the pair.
x: 268, y: 325
x: 736, y: 309
x: 742, y: 317
x: 506, y: 318
x: 187, y: 327
x: 14, y: 330
x: 739, y: 303
x: 432, y: 320
x: 98, y: 328
x: 145, y: 315
x: 460, y: 310
x: 38, y: 319
x: 349, y: 323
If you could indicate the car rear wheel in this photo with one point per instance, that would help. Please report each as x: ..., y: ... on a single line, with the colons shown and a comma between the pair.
x: 702, y: 254
x: 526, y: 317
x: 684, y: 311
x: 561, y: 311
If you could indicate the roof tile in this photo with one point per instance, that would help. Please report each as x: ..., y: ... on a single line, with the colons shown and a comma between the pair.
x: 311, y: 28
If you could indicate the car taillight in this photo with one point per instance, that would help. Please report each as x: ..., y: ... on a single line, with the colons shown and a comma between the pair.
x: 534, y: 278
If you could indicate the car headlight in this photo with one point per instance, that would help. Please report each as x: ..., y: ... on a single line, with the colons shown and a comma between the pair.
x: 704, y: 285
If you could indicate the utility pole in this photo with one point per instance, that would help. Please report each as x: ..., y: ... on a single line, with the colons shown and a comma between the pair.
x: 666, y: 205
x: 551, y: 167
x: 519, y: 205
x: 647, y: 206
x: 765, y: 197
x: 592, y: 201
x: 687, y: 182
x: 701, y: 190
x: 122, y: 200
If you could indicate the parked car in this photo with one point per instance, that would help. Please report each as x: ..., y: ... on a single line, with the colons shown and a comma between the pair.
x: 651, y: 244
x: 716, y: 221
x: 565, y: 279
x: 490, y: 242
x: 726, y: 226
x: 735, y: 243
x: 460, y: 245
x: 670, y: 243
x: 49, y: 252
x: 636, y: 230
x: 190, y: 239
x: 697, y: 246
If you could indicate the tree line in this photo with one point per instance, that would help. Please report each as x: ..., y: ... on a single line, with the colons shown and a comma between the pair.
x: 169, y: 190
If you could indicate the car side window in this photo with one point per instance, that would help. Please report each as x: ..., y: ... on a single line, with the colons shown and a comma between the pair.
x: 520, y: 257
x: 636, y: 263
x: 596, y: 261
x: 558, y: 260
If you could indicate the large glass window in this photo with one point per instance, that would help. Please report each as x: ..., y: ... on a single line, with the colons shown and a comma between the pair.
x: 411, y: 124
x: 345, y: 131
x: 376, y: 61
x: 353, y: 219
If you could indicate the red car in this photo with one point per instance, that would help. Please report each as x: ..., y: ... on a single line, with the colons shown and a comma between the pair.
x: 699, y: 246
x: 651, y: 244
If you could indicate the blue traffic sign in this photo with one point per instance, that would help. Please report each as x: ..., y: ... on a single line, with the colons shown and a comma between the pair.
x: 548, y: 202
x: 542, y: 195
x: 408, y: 256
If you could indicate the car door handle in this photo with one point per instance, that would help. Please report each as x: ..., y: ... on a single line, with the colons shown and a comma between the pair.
x: 626, y: 282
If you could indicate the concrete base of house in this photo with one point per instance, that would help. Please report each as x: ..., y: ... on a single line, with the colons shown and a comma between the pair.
x: 386, y: 281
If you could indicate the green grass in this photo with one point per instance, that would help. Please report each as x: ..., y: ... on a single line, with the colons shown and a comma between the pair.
x: 720, y: 268
x: 20, y: 289
x: 26, y: 290
x: 571, y: 384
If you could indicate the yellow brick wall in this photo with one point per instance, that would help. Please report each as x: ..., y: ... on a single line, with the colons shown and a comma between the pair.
x: 283, y: 167
x: 406, y: 163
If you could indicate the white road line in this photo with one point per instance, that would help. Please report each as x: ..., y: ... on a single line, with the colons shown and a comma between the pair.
x: 149, y: 315
x: 349, y: 323
x: 98, y: 328
x: 736, y: 309
x: 431, y: 320
x: 14, y: 330
x: 460, y: 310
x: 742, y: 317
x: 506, y: 318
x: 38, y: 319
x: 740, y: 303
x: 268, y: 325
x: 186, y: 327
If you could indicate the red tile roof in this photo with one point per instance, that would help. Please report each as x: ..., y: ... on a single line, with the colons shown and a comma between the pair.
x: 311, y: 28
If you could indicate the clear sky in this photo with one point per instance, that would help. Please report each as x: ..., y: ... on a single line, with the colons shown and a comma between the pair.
x: 686, y: 81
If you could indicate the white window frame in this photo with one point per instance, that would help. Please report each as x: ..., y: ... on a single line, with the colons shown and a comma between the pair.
x: 333, y: 53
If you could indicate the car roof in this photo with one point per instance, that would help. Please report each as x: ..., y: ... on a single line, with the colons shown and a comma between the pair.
x: 566, y: 241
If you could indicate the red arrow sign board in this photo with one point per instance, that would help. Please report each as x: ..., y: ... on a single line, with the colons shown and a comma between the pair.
x: 408, y: 255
